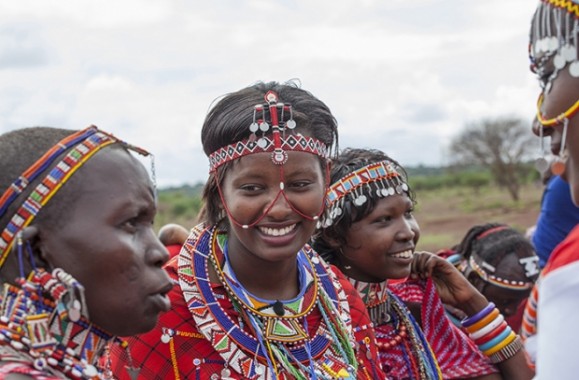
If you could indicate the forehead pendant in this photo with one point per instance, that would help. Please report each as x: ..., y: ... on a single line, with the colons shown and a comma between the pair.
x: 276, y: 115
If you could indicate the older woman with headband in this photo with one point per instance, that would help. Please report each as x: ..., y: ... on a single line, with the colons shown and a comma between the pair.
x: 80, y: 261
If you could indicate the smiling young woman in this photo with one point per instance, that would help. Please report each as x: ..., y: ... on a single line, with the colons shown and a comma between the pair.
x: 369, y: 233
x: 253, y: 300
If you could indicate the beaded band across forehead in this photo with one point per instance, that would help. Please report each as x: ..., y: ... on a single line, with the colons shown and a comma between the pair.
x: 282, y: 138
x: 486, y: 270
x: 380, y: 179
x: 81, y: 146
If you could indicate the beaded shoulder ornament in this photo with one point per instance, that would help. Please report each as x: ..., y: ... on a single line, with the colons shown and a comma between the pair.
x: 277, y: 345
x: 281, y: 140
x: 380, y: 178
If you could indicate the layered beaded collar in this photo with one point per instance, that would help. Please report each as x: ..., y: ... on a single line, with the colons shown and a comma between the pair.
x: 42, y: 331
x: 273, y: 344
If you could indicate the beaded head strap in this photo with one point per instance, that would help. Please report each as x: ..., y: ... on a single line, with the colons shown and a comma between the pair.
x: 486, y: 270
x: 380, y: 179
x: 278, y: 143
x: 81, y: 146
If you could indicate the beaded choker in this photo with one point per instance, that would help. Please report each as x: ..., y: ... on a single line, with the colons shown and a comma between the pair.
x: 281, y: 140
x: 80, y: 146
x: 380, y: 179
x: 270, y: 347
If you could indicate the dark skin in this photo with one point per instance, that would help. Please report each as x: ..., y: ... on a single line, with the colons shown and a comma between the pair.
x: 117, y: 240
x: 456, y: 291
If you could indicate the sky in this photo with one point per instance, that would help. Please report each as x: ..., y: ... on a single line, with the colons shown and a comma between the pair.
x: 403, y: 76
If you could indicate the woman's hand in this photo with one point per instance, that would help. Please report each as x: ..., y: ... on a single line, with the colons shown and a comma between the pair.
x: 452, y: 287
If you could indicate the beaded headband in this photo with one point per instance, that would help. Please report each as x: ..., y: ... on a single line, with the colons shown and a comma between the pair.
x: 380, y: 178
x: 278, y: 143
x: 559, y: 40
x: 81, y: 146
x: 483, y: 269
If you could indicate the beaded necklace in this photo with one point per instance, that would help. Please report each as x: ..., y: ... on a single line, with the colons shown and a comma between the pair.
x: 40, y: 330
x: 397, y: 330
x: 270, y: 346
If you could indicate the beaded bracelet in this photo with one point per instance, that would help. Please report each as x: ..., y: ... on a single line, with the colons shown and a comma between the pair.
x: 511, y: 337
x: 478, y: 316
x: 488, y: 328
x: 492, y: 334
x: 483, y: 321
x: 496, y: 340
x: 508, y: 351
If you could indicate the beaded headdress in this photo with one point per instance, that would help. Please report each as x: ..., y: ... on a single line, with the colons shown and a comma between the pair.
x: 486, y: 271
x: 554, y: 35
x: 381, y: 179
x: 57, y: 169
x: 282, y: 139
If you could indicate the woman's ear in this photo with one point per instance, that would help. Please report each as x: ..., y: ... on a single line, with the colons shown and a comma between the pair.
x: 32, y: 250
x: 329, y: 236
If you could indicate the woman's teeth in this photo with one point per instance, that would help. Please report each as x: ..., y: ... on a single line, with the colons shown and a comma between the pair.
x: 404, y: 255
x: 277, y: 231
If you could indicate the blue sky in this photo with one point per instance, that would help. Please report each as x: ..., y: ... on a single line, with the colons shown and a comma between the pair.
x: 404, y: 76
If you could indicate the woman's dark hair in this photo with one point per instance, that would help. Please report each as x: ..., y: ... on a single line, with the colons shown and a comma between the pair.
x: 493, y: 241
x: 228, y: 122
x: 348, y: 161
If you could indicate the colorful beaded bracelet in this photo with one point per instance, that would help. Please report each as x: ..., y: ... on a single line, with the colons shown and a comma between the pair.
x: 478, y: 316
x: 488, y: 328
x: 508, y: 351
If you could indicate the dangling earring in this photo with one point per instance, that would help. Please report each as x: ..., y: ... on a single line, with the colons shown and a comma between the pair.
x: 541, y: 163
x: 346, y: 267
x: 558, y: 166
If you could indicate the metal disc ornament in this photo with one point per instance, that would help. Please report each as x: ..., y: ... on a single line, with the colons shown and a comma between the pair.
x: 541, y: 164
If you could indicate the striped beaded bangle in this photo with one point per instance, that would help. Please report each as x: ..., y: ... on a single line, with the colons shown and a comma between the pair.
x: 488, y: 328
x: 492, y: 334
x: 478, y: 316
x: 483, y: 322
x: 496, y: 340
x: 512, y: 336
x: 507, y: 352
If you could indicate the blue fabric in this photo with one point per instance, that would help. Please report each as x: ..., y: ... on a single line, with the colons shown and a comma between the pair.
x: 557, y: 218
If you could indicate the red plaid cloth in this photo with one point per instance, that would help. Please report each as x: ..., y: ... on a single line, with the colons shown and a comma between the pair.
x: 458, y: 357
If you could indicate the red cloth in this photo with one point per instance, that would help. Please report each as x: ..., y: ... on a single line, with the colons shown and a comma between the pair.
x: 158, y: 360
x: 173, y: 249
x: 458, y: 357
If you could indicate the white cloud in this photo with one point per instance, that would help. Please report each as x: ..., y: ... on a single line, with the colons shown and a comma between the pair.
x: 403, y: 76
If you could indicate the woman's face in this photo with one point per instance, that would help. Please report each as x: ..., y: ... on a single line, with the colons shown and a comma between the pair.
x: 251, y: 191
x: 563, y: 94
x: 108, y: 244
x: 381, y: 245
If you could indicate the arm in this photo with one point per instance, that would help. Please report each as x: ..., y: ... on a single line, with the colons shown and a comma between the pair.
x: 454, y: 289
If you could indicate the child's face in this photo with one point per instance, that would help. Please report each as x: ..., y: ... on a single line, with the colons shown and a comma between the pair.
x: 251, y: 187
x: 381, y: 245
x: 563, y: 94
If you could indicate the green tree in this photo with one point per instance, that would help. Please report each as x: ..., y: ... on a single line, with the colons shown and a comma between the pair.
x: 502, y: 145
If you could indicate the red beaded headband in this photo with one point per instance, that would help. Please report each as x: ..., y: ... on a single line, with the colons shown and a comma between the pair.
x: 278, y: 143
x: 386, y: 179
x: 81, y: 146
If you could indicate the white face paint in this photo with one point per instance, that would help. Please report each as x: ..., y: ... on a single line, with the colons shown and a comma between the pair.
x: 531, y: 265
